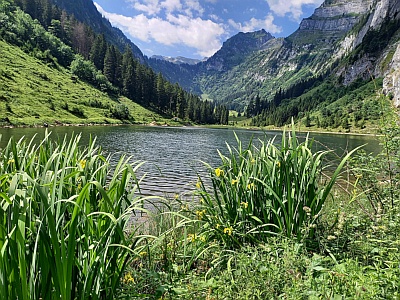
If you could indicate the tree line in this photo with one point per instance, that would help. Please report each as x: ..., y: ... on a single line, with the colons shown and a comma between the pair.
x: 58, y: 38
x: 325, y: 104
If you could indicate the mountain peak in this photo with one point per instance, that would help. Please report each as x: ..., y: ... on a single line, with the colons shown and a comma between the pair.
x: 236, y: 48
x: 177, y: 60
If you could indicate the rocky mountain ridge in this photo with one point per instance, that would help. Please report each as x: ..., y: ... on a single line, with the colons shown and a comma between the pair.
x: 179, y: 60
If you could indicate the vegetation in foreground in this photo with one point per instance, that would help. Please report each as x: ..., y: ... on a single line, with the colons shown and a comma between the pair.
x: 266, y: 224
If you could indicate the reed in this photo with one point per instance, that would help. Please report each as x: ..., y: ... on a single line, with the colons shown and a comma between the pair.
x: 265, y: 191
x: 63, y: 217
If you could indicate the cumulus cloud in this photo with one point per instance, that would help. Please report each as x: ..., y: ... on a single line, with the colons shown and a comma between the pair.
x: 150, y: 7
x: 291, y: 7
x: 256, y: 24
x: 175, y: 29
x: 154, y: 7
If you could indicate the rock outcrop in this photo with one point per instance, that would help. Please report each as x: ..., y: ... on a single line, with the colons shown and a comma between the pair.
x: 339, y: 15
x: 391, y: 82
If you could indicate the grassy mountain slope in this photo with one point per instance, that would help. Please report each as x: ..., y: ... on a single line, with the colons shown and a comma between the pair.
x: 32, y: 93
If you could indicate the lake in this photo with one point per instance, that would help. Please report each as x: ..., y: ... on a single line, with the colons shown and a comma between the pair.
x: 173, y: 154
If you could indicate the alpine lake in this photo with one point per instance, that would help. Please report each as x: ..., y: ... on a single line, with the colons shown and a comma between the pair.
x: 174, y: 156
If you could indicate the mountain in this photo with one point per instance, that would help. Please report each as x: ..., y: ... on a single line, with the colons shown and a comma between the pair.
x: 340, y: 45
x: 233, y: 52
x: 236, y: 49
x: 86, y: 12
x: 334, y: 40
x: 179, y: 60
x: 346, y: 39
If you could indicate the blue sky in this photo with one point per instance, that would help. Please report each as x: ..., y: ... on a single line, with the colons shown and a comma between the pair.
x: 197, y: 28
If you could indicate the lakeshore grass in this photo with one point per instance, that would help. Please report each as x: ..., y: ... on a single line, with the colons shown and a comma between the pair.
x: 262, y: 226
x: 63, y: 220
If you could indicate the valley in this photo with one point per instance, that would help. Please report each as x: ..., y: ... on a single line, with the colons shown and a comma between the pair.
x: 268, y: 170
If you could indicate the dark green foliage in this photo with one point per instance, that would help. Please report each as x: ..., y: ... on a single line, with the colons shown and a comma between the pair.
x: 98, y: 51
x: 120, y: 111
x: 334, y: 103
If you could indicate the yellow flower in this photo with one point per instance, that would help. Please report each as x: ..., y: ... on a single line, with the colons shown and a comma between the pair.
x: 218, y: 226
x: 185, y: 206
x: 278, y: 163
x: 219, y: 172
x: 244, y: 204
x: 198, y: 184
x: 253, y: 161
x: 10, y: 161
x: 234, y: 181
x: 250, y: 186
x: 143, y: 254
x: 228, y: 230
x: 128, y: 278
x: 202, y: 238
x: 200, y: 214
x: 176, y: 196
x: 192, y: 237
x: 82, y: 163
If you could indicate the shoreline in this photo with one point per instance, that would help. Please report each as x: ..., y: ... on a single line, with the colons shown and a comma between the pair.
x: 158, y: 124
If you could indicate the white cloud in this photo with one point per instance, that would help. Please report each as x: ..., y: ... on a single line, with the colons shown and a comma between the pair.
x: 257, y: 24
x: 203, y: 35
x: 150, y: 7
x: 154, y: 7
x: 171, y: 5
x: 291, y: 7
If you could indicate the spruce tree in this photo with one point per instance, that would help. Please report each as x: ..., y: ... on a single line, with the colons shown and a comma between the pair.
x: 98, y: 51
x: 110, y: 64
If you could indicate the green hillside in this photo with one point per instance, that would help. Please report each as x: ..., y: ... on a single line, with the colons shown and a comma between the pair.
x: 32, y: 93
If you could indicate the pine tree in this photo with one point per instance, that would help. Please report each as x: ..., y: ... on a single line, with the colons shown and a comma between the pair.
x: 98, y: 51
x: 128, y: 81
x: 110, y: 64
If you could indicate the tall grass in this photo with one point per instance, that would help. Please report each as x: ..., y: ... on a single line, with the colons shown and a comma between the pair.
x: 270, y: 190
x: 63, y: 214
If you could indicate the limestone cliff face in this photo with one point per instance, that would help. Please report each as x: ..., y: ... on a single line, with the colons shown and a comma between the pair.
x: 391, y: 82
x: 339, y: 15
x: 383, y: 13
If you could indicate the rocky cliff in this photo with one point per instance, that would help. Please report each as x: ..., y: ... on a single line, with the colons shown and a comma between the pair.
x: 372, y: 47
x: 391, y: 82
x: 236, y: 49
x: 339, y: 16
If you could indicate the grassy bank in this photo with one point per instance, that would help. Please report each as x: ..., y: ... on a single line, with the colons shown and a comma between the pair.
x: 268, y: 223
x: 32, y: 93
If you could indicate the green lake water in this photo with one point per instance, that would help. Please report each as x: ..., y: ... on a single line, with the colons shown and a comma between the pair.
x: 173, y: 154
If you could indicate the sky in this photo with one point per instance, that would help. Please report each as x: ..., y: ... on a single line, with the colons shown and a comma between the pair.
x: 198, y: 28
